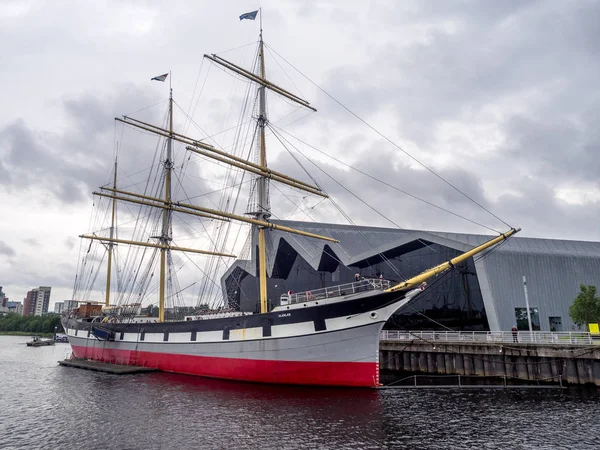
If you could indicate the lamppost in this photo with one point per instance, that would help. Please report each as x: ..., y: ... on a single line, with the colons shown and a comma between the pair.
x: 55, y: 329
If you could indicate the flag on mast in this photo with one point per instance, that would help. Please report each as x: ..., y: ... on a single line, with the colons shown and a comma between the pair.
x: 162, y: 77
x: 249, y: 15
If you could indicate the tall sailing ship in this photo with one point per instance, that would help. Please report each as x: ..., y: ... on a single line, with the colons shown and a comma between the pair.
x: 323, y: 336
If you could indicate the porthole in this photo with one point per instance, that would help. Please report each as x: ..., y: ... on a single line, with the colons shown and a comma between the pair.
x: 374, y: 315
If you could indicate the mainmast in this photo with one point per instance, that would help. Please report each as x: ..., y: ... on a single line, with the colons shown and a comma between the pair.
x: 165, y: 238
x: 263, y: 211
x: 110, y: 243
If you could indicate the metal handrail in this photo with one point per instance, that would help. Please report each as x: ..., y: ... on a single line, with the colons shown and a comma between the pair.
x: 521, y: 337
x: 366, y: 284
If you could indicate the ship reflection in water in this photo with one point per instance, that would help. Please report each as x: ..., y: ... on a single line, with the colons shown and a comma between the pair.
x: 227, y: 414
x: 43, y: 405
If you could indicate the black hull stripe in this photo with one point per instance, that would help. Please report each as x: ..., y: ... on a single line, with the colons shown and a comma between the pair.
x: 318, y: 313
x: 285, y: 317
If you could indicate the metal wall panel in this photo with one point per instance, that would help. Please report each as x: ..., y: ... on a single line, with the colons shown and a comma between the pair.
x: 553, y: 281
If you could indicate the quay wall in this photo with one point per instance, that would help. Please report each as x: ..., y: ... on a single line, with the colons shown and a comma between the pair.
x: 573, y: 364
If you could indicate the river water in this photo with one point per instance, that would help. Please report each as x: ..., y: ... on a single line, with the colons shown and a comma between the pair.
x: 45, y: 406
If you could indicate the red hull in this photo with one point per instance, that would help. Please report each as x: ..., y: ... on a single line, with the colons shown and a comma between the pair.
x: 356, y: 374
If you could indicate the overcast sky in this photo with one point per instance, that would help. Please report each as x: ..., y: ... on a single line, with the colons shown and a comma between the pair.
x: 500, y: 98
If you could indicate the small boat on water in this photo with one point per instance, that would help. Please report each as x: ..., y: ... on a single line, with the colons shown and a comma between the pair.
x: 39, y: 342
x: 61, y: 338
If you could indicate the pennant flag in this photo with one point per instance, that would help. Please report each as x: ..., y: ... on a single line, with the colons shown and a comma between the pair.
x: 249, y: 15
x: 162, y: 77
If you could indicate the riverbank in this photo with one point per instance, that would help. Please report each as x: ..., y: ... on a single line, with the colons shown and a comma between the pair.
x: 25, y: 333
x: 17, y: 325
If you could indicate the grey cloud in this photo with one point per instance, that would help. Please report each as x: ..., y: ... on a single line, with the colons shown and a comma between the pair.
x: 490, y: 55
x: 401, y: 209
x: 498, y: 51
x: 31, y: 163
x: 537, y: 209
x: 6, y: 250
x: 62, y: 279
x: 72, y: 164
x: 556, y: 148
x: 533, y: 206
x: 58, y: 275
x: 70, y: 243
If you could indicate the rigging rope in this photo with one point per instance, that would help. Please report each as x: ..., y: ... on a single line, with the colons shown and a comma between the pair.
x: 383, y: 182
x: 389, y: 140
x: 143, y: 278
x: 340, y: 210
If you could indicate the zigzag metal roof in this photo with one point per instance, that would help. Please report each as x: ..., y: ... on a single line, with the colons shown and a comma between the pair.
x: 554, y: 268
x: 358, y: 243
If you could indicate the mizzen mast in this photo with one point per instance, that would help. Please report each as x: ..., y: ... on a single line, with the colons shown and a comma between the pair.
x: 111, y: 244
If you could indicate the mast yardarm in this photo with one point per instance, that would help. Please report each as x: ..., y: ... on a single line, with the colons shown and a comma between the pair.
x: 226, y: 157
x: 160, y: 203
x: 179, y: 207
x: 263, y: 211
x: 264, y: 172
x: 259, y: 79
x: 150, y: 244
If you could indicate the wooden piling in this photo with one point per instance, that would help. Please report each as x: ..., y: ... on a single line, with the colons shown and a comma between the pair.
x: 530, y: 362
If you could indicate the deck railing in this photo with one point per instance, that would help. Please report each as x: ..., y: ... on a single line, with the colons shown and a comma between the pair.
x: 521, y: 337
x: 366, y: 284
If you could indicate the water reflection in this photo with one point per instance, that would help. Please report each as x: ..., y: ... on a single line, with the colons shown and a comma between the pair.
x: 252, y: 415
x: 43, y: 405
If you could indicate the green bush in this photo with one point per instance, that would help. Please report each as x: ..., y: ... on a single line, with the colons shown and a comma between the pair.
x: 31, y: 324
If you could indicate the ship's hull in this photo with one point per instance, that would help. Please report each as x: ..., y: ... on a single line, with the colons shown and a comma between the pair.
x: 327, y: 344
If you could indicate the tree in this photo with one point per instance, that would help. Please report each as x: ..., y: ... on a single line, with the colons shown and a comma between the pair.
x: 150, y: 311
x: 586, y: 307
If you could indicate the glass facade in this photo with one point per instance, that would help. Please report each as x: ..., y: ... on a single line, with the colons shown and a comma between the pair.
x: 451, y: 301
x: 523, y: 321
